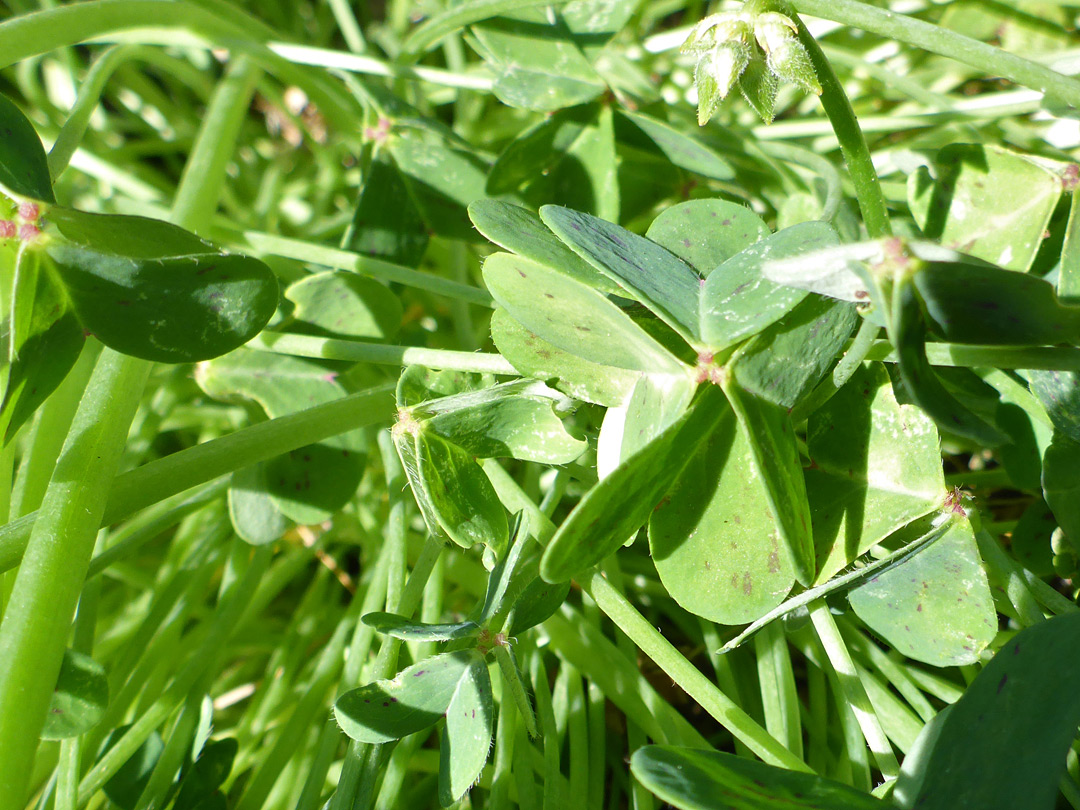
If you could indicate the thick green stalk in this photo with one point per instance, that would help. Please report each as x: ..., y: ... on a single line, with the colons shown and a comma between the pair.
x: 164, y: 477
x: 986, y: 58
x: 852, y: 143
x: 38, y: 618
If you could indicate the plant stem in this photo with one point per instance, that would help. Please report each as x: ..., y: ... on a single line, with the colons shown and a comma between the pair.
x: 1055, y: 358
x: 196, y: 465
x: 934, y: 38
x: 852, y: 143
x: 265, y: 243
x: 35, y: 628
x: 356, y: 351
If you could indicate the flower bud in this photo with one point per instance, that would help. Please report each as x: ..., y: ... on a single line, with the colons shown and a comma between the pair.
x: 785, y: 56
x: 8, y: 229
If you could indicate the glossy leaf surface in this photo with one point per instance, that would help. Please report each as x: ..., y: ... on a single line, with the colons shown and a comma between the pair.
x: 415, y: 699
x: 24, y: 169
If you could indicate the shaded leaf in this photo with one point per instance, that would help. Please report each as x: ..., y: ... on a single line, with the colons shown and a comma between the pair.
x: 692, y: 779
x: 1009, y: 733
x: 126, y: 785
x: 80, y: 698
x: 875, y: 467
x: 681, y: 149
x: 254, y: 515
x: 713, y: 537
x: 386, y: 223
x: 24, y: 169
x: 342, y: 304
x: 987, y: 201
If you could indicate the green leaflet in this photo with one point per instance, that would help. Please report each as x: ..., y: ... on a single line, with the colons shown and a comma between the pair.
x: 713, y: 537
x: 573, y: 317
x: 768, y: 431
x: 415, y: 699
x: 861, y: 492
x: 342, y: 304
x: 404, y: 628
x: 654, y: 276
x: 621, y: 503
x: 80, y: 697
x: 706, y: 233
x: 466, y: 737
x: 24, y: 169
x: 987, y: 201
x: 252, y: 510
x: 683, y: 151
x: 936, y: 607
x: 737, y: 301
x: 692, y: 779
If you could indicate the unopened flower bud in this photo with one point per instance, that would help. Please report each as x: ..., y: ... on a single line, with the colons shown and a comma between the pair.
x: 29, y: 211
x: 29, y: 232
x: 785, y: 56
x: 8, y: 229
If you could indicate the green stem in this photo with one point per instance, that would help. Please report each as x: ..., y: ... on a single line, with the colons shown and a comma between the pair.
x: 1054, y: 358
x: 852, y: 143
x: 356, y: 351
x: 35, y: 628
x: 935, y: 39
x: 164, y: 477
x: 703, y: 691
x: 269, y: 244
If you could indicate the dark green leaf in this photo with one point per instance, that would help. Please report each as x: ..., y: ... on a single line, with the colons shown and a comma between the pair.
x: 199, y: 788
x: 405, y: 628
x: 657, y: 278
x: 254, y: 515
x: 1003, y: 744
x: 692, y: 779
x: 80, y: 698
x: 126, y: 785
x: 387, y: 223
x: 538, y: 601
x: 1059, y: 392
x: 24, y: 170
x: 171, y: 310
x: 130, y: 236
x: 1061, y: 485
x: 442, y: 181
